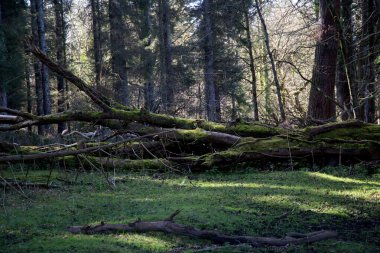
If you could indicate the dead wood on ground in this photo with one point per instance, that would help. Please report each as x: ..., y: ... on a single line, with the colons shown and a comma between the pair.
x: 169, y: 226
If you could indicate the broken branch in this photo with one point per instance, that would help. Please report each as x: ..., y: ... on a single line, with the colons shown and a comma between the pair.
x: 168, y: 226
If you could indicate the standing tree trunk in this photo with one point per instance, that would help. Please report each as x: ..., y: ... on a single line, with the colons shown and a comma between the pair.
x: 37, y: 66
x: 44, y: 70
x: 118, y: 52
x: 321, y: 99
x: 345, y: 68
x: 28, y: 88
x: 166, y: 67
x: 98, y: 57
x: 247, y: 29
x: 61, y: 57
x: 367, y: 57
x: 3, y: 93
x: 147, y: 55
x: 270, y: 55
x: 212, y: 98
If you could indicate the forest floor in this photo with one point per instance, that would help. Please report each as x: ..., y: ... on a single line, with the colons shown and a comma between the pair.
x: 253, y: 203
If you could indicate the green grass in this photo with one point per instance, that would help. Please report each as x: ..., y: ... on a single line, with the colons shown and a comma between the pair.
x: 251, y: 203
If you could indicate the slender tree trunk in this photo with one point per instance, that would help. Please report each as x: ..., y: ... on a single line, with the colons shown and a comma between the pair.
x: 270, y: 55
x: 251, y: 62
x: 166, y: 65
x: 321, y: 99
x: 37, y: 66
x: 98, y: 57
x: 212, y: 98
x: 60, y: 53
x: 118, y: 52
x: 264, y: 80
x: 3, y: 93
x: 345, y: 67
x: 44, y: 70
x: 148, y: 56
x: 28, y: 88
x: 367, y: 57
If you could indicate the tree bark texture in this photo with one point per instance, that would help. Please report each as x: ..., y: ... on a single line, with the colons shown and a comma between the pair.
x: 322, y: 98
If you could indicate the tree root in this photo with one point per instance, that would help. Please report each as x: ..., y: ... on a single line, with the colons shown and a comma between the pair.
x: 168, y: 226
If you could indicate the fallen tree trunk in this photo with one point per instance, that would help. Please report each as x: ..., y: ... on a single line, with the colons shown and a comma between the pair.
x: 168, y: 226
x: 197, y: 143
x: 309, y: 156
x: 62, y: 153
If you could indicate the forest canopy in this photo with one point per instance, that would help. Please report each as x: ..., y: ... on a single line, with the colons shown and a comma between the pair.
x: 304, y: 62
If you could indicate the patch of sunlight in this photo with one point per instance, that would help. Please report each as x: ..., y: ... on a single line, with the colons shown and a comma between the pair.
x: 213, y: 184
x: 146, y: 242
x: 144, y: 200
x: 343, y: 179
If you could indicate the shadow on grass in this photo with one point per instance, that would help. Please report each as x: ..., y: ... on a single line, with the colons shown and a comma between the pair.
x: 257, y: 204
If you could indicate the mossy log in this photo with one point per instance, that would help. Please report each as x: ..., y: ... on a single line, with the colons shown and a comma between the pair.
x: 338, y: 145
x: 200, y: 143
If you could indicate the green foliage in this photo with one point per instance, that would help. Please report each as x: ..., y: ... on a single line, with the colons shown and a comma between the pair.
x: 266, y: 204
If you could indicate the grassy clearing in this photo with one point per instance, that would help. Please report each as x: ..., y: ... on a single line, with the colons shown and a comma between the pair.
x: 252, y: 203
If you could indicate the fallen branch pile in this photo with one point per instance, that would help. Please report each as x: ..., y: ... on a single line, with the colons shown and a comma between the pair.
x: 159, y: 141
x: 168, y: 226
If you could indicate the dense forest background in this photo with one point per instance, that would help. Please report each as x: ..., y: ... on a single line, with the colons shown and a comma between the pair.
x: 257, y: 121
x: 301, y: 61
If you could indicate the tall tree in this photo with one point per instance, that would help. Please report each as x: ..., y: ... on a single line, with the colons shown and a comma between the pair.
x: 44, y: 71
x: 247, y: 28
x: 96, y: 32
x: 166, y: 64
x: 322, y: 95
x: 118, y: 52
x: 270, y: 55
x: 3, y: 93
x: 147, y: 56
x: 37, y: 66
x: 212, y: 98
x: 61, y: 55
x: 345, y: 68
x: 366, y: 63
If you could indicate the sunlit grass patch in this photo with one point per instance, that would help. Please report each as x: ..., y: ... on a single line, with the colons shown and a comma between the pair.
x: 254, y: 203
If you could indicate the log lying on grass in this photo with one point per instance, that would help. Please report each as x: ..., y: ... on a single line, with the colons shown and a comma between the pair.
x: 168, y: 226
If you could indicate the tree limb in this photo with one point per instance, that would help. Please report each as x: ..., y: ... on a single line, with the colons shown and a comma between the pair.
x: 168, y: 226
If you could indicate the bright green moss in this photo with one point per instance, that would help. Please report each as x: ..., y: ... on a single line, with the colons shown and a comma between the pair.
x: 367, y: 132
x: 254, y: 130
